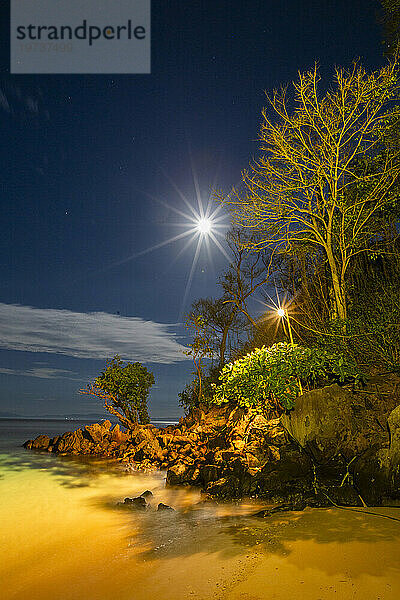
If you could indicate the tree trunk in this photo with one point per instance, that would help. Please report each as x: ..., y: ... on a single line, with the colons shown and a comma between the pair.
x: 222, y: 347
x: 130, y: 425
x: 339, y: 296
x: 198, y: 369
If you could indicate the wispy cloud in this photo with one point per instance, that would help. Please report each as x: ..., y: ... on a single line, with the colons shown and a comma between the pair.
x: 87, y: 335
x: 41, y: 373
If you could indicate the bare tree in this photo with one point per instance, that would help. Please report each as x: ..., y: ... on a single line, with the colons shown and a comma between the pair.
x: 221, y: 320
x: 309, y: 187
x: 202, y: 344
x: 245, y: 275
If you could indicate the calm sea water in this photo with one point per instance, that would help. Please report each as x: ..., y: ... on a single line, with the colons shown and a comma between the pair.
x: 63, y: 537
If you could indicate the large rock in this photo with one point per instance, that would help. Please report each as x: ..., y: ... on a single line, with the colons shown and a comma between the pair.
x: 118, y: 436
x: 370, y: 475
x: 71, y: 442
x: 145, y: 445
x: 164, y: 507
x: 376, y: 472
x: 178, y: 474
x: 95, y: 432
x: 138, y: 503
x: 394, y: 448
x: 327, y: 424
x: 346, y: 435
x: 42, y: 442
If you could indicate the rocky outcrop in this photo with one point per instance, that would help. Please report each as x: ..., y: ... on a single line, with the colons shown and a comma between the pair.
x: 334, y: 423
x: 393, y: 453
x: 138, y: 503
x: 143, y: 503
x: 324, y: 424
x: 164, y: 507
x: 377, y: 471
x: 42, y: 442
x: 352, y: 438
x: 97, y: 439
x: 337, y: 446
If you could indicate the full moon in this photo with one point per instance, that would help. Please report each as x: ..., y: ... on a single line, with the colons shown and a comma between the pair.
x: 204, y: 226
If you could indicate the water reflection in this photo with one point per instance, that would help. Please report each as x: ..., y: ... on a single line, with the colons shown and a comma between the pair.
x: 227, y: 531
x: 184, y: 534
x: 69, y: 470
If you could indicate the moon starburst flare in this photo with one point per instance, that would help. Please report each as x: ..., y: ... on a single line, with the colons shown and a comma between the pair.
x: 202, y: 224
x: 203, y: 227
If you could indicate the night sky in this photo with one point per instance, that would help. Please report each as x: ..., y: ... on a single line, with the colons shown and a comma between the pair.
x: 88, y: 163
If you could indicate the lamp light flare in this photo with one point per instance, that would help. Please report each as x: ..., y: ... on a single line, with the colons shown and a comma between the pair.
x: 280, y: 312
x: 204, y: 226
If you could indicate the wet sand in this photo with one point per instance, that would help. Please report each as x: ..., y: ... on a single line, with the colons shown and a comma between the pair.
x: 62, y: 537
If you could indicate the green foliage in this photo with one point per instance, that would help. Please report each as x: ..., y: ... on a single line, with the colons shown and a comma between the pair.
x: 189, y: 397
x: 269, y: 377
x: 203, y: 339
x: 220, y: 322
x: 128, y: 386
x: 374, y: 325
x: 372, y: 337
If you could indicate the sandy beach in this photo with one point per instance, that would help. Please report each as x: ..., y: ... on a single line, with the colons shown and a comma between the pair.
x: 62, y: 537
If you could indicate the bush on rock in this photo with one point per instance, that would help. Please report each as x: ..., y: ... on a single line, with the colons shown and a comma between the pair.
x: 272, y: 378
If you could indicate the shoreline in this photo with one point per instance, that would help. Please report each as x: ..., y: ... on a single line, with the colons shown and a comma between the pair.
x: 332, y: 449
x: 59, y: 542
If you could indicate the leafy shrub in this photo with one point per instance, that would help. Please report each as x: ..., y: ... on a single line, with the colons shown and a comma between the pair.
x: 270, y: 377
x: 128, y: 386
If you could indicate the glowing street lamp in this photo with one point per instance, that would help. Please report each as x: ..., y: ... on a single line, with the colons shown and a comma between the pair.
x: 281, y: 312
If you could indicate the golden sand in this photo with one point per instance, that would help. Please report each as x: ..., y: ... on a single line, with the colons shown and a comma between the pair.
x: 62, y: 538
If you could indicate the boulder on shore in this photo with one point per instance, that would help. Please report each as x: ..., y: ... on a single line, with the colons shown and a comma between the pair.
x: 138, y: 503
x: 352, y: 438
x: 98, y: 439
x: 164, y: 507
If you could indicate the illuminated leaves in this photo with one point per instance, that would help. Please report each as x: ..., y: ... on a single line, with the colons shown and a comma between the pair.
x: 267, y: 378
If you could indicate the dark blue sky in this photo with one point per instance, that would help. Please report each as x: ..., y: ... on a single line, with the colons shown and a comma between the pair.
x: 83, y: 158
